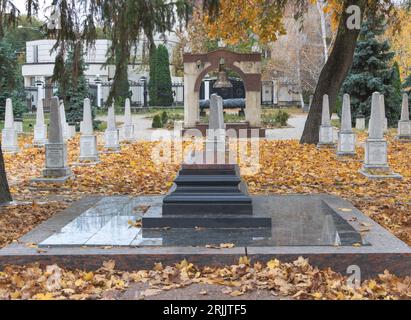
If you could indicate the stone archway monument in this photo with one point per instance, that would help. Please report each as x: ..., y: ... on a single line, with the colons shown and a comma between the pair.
x: 197, y: 66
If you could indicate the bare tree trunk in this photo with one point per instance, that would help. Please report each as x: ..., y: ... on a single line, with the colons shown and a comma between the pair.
x: 5, y: 195
x: 334, y: 72
x: 320, y: 7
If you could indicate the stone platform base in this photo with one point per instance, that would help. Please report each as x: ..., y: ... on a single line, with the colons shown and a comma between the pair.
x: 84, y: 163
x: 53, y: 180
x: 383, y: 175
x: 78, y: 237
x: 326, y: 145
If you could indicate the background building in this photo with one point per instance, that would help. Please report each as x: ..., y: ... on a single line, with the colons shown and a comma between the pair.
x: 39, y: 66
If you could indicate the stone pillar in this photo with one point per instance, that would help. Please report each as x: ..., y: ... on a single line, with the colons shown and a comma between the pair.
x: 346, y: 138
x: 360, y: 123
x: 40, y: 90
x: 99, y: 95
x: 88, y: 140
x: 376, y: 153
x: 404, y: 125
x: 253, y: 108
x: 40, y: 129
x: 326, y: 130
x: 9, y: 142
x: 64, y: 125
x: 127, y: 131
x: 382, y: 105
x: 111, y: 134
x: 56, y: 170
x: 191, y: 97
x: 18, y: 126
x: 207, y: 89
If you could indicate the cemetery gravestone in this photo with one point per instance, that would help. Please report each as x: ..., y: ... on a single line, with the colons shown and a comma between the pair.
x: 209, y: 195
x: 127, y: 131
x: 40, y: 129
x: 111, y: 134
x: 9, y: 140
x: 346, y: 139
x: 326, y: 130
x: 88, y: 141
x: 376, y: 153
x: 404, y: 125
x: 360, y: 123
x: 56, y: 169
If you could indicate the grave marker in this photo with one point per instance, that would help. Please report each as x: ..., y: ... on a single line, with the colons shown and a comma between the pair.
x: 9, y: 140
x: 88, y: 140
x: 346, y: 139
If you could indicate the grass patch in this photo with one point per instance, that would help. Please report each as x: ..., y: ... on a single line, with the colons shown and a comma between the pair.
x: 29, y: 121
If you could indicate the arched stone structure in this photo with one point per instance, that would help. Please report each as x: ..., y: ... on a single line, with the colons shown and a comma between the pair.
x: 197, y: 66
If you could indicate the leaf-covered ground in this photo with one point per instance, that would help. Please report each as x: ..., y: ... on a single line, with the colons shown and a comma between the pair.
x: 286, y: 167
x: 297, y: 280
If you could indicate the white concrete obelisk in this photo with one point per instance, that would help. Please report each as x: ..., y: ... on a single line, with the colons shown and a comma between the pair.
x: 326, y: 130
x: 346, y: 138
x: 64, y: 125
x: 360, y: 123
x: 111, y: 134
x: 9, y: 141
x: 385, y: 120
x: 56, y: 170
x: 40, y: 129
x: 127, y: 131
x: 376, y: 147
x: 404, y: 125
x: 88, y: 140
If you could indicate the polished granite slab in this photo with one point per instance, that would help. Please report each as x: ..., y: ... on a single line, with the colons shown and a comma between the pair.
x: 115, y: 221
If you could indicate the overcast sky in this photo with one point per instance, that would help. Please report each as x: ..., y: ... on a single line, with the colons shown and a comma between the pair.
x: 21, y: 4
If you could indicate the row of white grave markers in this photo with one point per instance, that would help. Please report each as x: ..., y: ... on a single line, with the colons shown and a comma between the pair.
x: 376, y: 154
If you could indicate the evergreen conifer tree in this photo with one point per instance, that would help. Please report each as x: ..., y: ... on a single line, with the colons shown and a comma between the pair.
x: 163, y: 78
x: 74, y: 92
x: 372, y: 70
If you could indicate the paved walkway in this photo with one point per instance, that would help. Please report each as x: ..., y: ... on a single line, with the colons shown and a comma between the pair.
x: 144, y: 131
x: 296, y: 123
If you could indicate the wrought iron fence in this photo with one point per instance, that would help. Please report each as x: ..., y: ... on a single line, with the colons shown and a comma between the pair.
x: 139, y: 96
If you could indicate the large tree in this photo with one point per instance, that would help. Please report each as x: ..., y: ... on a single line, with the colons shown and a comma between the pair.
x: 9, y: 17
x: 264, y: 19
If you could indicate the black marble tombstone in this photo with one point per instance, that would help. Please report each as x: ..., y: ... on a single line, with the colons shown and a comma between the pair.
x: 209, y: 193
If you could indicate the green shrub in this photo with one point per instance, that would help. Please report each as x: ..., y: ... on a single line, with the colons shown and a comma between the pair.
x: 281, y: 118
x: 157, y: 123
x: 164, y: 118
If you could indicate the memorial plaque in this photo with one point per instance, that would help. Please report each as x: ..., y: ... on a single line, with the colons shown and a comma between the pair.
x: 376, y: 153
x: 88, y: 146
x: 111, y: 139
x: 360, y: 124
x: 40, y: 134
x: 128, y: 132
x: 9, y: 138
x: 55, y: 156
x: 326, y: 135
x: 347, y: 142
x: 405, y: 128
